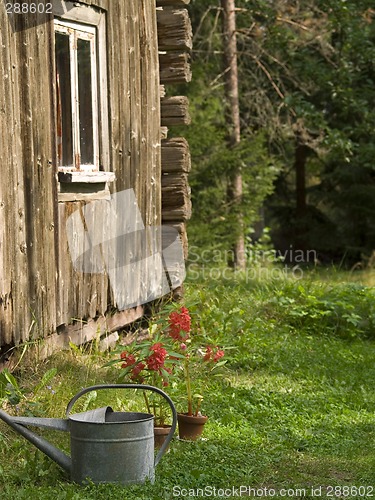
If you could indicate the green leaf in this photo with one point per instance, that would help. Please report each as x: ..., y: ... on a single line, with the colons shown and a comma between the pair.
x: 198, y: 396
x: 165, y: 373
x: 47, y: 377
x: 219, y: 363
x: 113, y: 362
x: 9, y: 377
x: 176, y: 355
x: 91, y: 396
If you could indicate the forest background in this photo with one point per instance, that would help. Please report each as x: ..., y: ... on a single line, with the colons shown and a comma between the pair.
x: 306, y: 79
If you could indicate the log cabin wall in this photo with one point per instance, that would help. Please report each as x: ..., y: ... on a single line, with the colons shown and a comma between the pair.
x: 40, y: 293
x: 175, y: 44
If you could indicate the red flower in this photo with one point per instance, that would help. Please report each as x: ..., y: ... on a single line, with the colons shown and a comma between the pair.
x: 213, y: 355
x: 129, y: 359
x: 155, y: 361
x: 208, y: 354
x: 218, y: 355
x: 180, y: 321
x: 136, y: 370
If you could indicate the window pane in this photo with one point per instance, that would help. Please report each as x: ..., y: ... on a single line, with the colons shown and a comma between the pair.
x: 85, y: 102
x: 64, y: 101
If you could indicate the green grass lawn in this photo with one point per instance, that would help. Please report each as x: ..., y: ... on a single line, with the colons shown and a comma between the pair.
x: 293, y: 409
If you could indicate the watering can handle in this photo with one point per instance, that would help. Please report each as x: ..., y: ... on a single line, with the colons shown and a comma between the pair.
x: 133, y: 386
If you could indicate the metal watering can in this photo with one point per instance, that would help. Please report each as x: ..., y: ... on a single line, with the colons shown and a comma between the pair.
x: 106, y: 446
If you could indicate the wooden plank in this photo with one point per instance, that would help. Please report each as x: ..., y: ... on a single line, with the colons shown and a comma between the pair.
x: 20, y: 276
x: 80, y: 333
x: 39, y: 174
x: 81, y: 295
x: 84, y: 331
x: 175, y: 111
x: 174, y: 29
x: 174, y: 67
x: 150, y: 92
x: 7, y: 188
x: 69, y: 196
x: 175, y: 155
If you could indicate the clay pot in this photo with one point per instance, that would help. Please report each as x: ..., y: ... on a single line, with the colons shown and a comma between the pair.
x: 190, y: 427
x: 160, y: 435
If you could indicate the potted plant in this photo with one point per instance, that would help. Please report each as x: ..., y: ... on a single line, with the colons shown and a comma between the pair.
x: 170, y: 353
x: 191, y: 422
x: 148, y: 361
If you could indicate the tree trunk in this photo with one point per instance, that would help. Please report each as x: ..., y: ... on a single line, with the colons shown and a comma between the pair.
x: 234, y: 191
x: 300, y: 158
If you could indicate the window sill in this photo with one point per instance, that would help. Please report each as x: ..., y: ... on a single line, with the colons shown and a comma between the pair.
x: 84, y: 186
x: 83, y: 177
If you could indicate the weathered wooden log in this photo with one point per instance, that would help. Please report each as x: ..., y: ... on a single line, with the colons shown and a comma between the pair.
x: 181, y: 228
x: 80, y: 333
x: 175, y: 180
x: 180, y: 214
x: 174, y: 29
x: 174, y: 67
x: 175, y: 155
x: 162, y: 3
x: 175, y: 111
x: 176, y: 203
x: 174, y: 197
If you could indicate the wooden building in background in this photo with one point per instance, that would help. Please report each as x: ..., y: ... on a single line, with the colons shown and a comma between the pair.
x: 84, y: 112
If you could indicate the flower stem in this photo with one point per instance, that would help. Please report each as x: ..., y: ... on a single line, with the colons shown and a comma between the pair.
x: 188, y: 387
x: 198, y: 407
x: 146, y: 401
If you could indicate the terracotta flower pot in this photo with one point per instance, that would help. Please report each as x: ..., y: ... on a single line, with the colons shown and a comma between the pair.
x: 160, y: 435
x: 190, y: 427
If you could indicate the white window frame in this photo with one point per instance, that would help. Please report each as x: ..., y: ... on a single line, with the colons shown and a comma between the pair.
x: 77, y: 32
x: 91, y: 23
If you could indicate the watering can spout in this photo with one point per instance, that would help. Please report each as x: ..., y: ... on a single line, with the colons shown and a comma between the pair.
x: 59, y: 424
x: 18, y: 424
